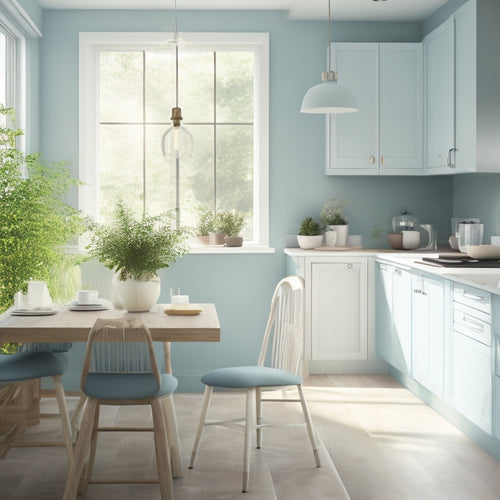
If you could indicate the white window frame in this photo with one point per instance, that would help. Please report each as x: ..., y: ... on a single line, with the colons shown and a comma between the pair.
x: 91, y: 44
x: 16, y: 68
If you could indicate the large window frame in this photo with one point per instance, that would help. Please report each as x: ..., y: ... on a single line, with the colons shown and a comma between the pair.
x: 91, y: 44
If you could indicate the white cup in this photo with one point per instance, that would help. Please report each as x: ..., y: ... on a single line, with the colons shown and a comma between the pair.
x: 411, y: 239
x: 38, y: 295
x: 85, y: 297
x: 179, y: 299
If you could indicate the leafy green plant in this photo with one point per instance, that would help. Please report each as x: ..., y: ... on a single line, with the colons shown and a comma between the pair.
x: 35, y: 223
x: 230, y: 223
x: 138, y: 248
x: 207, y: 221
x: 309, y: 227
x: 332, y: 212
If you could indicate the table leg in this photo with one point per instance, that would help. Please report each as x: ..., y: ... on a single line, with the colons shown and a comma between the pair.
x: 167, y: 357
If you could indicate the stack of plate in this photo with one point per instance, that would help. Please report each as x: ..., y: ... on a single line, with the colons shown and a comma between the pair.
x: 100, y: 305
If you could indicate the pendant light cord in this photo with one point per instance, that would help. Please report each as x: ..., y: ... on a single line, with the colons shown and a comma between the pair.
x: 176, y: 76
x: 329, y: 37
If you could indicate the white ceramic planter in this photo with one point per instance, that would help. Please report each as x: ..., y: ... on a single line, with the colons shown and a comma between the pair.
x: 308, y: 242
x: 138, y: 296
x: 342, y: 233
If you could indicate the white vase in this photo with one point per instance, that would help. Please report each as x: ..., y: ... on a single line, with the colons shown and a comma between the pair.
x: 308, y: 242
x: 138, y: 296
x: 342, y: 233
x: 330, y: 238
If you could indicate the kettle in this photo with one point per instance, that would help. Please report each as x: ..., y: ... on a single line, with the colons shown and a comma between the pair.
x: 430, y: 237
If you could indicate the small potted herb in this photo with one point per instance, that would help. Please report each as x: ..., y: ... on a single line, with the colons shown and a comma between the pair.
x: 309, y: 234
x: 231, y: 224
x: 332, y: 214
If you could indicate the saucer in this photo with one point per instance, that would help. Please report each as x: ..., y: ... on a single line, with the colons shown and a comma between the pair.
x: 33, y: 312
x: 100, y: 306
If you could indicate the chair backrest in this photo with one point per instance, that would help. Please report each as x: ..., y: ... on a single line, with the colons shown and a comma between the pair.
x: 283, y: 344
x: 119, y: 346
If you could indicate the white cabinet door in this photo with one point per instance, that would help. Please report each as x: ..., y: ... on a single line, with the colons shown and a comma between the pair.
x: 428, y: 331
x: 401, y: 108
x: 353, y: 137
x: 339, y: 310
x: 439, y: 57
x: 401, y: 317
x: 471, y: 380
x: 393, y: 316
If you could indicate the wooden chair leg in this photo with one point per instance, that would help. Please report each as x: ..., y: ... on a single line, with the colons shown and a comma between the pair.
x: 172, y: 435
x: 310, y: 429
x: 77, y: 416
x: 63, y: 412
x: 162, y: 453
x: 249, y: 427
x: 90, y: 460
x: 258, y: 414
x: 82, y: 445
x: 201, y: 423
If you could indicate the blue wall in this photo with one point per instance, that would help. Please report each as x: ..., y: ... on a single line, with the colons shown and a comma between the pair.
x: 242, y: 285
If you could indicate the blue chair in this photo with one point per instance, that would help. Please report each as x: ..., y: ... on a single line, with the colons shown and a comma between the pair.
x: 35, y: 361
x: 120, y: 368
x: 282, y: 351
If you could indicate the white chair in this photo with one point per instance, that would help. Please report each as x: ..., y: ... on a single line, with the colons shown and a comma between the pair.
x: 120, y: 368
x: 282, y: 350
x: 34, y: 361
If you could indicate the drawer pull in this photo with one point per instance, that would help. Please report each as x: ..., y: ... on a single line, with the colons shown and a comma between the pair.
x: 468, y: 295
x: 479, y: 326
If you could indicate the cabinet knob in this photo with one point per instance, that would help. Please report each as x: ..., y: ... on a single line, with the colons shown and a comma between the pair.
x: 371, y: 159
x: 382, y: 160
x: 349, y: 266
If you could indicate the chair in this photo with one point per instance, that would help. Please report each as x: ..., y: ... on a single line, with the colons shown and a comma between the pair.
x: 284, y: 355
x: 35, y: 361
x: 120, y: 368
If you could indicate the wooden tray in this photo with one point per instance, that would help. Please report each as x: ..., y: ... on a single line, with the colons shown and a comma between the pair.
x: 182, y: 310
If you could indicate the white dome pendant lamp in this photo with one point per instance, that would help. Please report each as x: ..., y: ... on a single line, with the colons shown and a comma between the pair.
x: 329, y: 96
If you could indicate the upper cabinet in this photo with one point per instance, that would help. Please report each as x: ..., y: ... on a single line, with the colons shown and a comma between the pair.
x: 439, y: 56
x: 385, y: 135
x: 462, y: 77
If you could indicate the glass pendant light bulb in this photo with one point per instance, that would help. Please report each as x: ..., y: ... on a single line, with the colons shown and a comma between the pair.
x: 177, y: 142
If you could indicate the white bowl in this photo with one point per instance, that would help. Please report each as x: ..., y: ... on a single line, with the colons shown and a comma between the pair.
x: 483, y: 251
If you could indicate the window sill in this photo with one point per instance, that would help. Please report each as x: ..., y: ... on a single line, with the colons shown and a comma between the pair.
x: 219, y: 249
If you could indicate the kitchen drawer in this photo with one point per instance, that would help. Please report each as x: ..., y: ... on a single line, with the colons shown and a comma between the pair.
x: 472, y: 323
x: 472, y: 297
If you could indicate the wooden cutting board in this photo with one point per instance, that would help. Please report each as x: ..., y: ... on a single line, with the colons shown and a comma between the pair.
x: 182, y: 309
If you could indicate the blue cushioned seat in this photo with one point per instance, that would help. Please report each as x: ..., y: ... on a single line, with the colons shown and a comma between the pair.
x: 31, y: 365
x: 128, y: 385
x: 239, y: 377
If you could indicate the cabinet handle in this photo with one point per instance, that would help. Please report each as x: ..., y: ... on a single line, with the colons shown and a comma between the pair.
x: 382, y: 160
x: 371, y: 159
x: 480, y: 326
x: 467, y: 295
x: 349, y: 266
x: 448, y: 161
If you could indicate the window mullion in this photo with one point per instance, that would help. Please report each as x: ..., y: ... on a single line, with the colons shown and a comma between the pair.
x: 215, y: 131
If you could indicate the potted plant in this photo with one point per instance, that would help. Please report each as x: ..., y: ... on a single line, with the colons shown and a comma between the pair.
x: 309, y: 234
x: 36, y: 225
x: 207, y: 223
x: 136, y: 248
x: 332, y: 214
x: 231, y: 224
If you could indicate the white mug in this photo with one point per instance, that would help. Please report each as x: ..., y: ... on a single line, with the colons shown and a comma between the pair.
x: 411, y: 239
x: 85, y: 297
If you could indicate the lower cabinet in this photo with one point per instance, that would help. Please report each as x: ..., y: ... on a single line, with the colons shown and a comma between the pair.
x: 430, y: 319
x: 393, y: 321
x: 471, y: 380
x: 338, y: 302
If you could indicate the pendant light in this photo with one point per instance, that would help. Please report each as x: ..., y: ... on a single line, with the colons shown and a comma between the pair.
x: 176, y: 142
x: 329, y: 96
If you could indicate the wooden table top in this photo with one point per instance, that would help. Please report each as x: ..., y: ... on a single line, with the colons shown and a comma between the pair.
x: 74, y: 326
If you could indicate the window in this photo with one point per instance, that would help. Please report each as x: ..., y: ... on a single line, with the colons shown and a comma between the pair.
x: 8, y: 74
x: 128, y: 87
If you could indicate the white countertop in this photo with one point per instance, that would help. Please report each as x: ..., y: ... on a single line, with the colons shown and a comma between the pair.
x: 482, y: 278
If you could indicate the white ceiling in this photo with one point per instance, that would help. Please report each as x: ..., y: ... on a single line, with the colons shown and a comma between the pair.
x: 342, y: 10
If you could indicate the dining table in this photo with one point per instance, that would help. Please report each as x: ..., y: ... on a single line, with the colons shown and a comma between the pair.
x: 63, y: 325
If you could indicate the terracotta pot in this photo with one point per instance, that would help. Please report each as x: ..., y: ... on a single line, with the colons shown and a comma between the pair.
x: 233, y: 241
x: 204, y: 239
x: 217, y: 238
